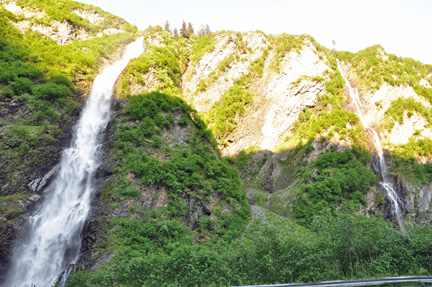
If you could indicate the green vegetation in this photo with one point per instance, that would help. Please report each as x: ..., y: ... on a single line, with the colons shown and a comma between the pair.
x: 341, y: 246
x: 332, y: 179
x: 31, y: 58
x: 175, y: 211
x: 63, y: 11
x: 186, y: 168
x: 39, y: 86
x: 256, y: 69
x: 285, y: 43
x: 400, y: 107
x: 201, y: 46
x: 327, y: 118
x: 165, y: 62
x: 374, y: 67
x: 345, y: 124
x: 416, y: 147
x: 222, y: 118
x: 215, y: 74
x: 419, y: 174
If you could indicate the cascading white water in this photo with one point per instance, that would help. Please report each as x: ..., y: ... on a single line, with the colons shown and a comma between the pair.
x: 353, y: 94
x: 385, y: 183
x: 53, y: 235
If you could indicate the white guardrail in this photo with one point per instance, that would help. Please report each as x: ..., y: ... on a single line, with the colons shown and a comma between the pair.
x: 357, y: 282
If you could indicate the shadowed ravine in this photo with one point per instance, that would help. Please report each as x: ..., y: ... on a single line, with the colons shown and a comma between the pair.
x: 52, y: 238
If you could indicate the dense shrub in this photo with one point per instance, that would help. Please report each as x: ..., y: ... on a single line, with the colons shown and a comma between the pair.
x: 333, y: 178
x: 51, y: 91
x: 191, y: 168
x: 341, y: 246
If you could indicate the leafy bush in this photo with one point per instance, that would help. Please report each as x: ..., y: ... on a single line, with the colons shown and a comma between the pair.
x: 51, y: 91
x: 163, y: 61
x: 413, y: 149
x: 256, y: 68
x: 285, y: 43
x: 22, y: 85
x: 331, y: 179
x: 63, y: 10
x: 193, y: 169
x: 337, y: 247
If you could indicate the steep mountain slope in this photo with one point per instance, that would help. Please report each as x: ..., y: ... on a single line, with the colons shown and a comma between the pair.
x: 396, y: 98
x: 281, y: 109
x: 232, y: 158
x: 42, y: 88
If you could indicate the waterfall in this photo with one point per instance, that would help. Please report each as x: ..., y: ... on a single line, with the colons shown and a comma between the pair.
x: 52, y: 237
x: 385, y: 183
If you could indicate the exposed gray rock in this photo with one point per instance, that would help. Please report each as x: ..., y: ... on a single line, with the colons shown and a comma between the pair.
x: 38, y: 184
x: 195, y: 209
x: 34, y: 197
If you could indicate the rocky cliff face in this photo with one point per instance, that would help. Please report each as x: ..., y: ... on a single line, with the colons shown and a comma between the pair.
x: 289, y: 79
x: 280, y: 94
x: 237, y: 52
x: 285, y: 105
x: 24, y: 176
x: 400, y: 112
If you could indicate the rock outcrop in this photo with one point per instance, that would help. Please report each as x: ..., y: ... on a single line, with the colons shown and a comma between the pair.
x: 280, y: 94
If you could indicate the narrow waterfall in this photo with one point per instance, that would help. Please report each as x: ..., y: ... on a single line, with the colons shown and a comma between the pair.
x: 52, y: 238
x: 385, y: 183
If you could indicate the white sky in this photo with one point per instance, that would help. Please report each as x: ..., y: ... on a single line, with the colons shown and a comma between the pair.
x: 402, y: 27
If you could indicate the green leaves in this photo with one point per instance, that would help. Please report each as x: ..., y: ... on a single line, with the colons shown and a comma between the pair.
x: 333, y: 178
x: 190, y: 167
x: 374, y: 67
x: 222, y: 118
x: 201, y: 46
x: 163, y: 62
x: 51, y: 91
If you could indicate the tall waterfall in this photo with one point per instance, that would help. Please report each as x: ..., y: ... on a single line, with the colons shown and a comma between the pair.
x: 52, y: 238
x: 385, y: 183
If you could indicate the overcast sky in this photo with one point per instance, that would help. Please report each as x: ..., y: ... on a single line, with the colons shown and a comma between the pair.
x: 402, y: 27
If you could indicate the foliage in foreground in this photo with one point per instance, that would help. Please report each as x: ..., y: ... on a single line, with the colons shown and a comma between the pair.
x: 341, y: 246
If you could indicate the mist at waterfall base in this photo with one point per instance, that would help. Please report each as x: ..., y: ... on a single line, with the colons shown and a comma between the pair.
x: 51, y: 240
x: 385, y: 183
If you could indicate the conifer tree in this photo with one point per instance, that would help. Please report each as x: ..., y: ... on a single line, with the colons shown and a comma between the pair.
x: 184, y: 30
x: 190, y: 29
x: 167, y: 26
x: 175, y: 33
x: 207, y: 31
